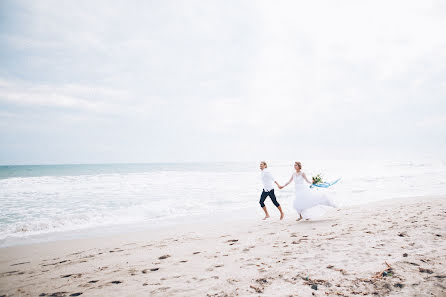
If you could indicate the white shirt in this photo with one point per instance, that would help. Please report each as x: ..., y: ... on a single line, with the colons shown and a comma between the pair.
x: 267, y: 180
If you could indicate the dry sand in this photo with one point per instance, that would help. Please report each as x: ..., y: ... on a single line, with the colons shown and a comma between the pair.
x: 344, y: 254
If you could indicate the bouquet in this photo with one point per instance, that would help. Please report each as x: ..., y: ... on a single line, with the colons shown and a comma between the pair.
x: 317, y: 179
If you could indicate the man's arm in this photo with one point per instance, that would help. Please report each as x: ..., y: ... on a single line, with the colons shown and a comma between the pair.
x: 271, y: 176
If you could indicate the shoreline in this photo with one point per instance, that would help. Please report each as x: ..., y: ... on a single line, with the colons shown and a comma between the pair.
x: 159, y: 225
x: 246, y: 256
x: 150, y: 226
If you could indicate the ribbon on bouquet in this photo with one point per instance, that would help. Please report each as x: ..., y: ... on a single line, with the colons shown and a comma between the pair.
x: 324, y: 184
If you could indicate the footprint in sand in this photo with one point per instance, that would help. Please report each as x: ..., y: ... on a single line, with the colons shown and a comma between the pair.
x: 232, y: 281
x: 56, y: 294
x: 232, y: 241
x: 161, y: 289
x: 132, y: 271
x: 116, y: 250
x: 60, y: 262
x: 19, y: 263
x: 215, y: 266
x: 116, y: 282
x: 93, y: 281
x: 164, y: 257
x: 151, y: 269
x: 72, y: 275
x: 14, y: 272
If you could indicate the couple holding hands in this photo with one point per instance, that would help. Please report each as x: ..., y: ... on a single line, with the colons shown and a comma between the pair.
x: 305, y: 201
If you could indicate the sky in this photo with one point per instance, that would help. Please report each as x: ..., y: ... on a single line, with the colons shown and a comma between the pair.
x: 205, y: 81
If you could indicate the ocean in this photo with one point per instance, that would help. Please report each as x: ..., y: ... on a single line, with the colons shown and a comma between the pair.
x: 53, y: 202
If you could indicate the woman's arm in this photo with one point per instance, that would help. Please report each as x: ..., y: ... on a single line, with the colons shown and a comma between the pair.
x: 291, y: 179
x: 305, y: 178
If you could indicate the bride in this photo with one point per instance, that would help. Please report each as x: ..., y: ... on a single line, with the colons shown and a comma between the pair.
x: 308, y: 203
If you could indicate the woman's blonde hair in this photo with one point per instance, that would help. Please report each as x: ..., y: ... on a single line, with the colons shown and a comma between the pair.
x: 264, y: 163
x: 298, y: 164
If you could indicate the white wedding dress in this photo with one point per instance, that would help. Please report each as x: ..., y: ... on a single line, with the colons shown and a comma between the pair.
x: 310, y: 203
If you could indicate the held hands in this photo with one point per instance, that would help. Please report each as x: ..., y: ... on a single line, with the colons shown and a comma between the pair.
x: 279, y: 186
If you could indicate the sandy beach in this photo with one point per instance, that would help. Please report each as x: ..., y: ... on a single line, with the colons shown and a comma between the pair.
x: 388, y: 248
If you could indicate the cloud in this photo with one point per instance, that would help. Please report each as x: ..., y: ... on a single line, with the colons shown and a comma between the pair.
x: 243, y: 79
x: 74, y: 98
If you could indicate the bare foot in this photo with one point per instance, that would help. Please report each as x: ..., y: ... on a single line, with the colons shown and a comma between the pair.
x: 282, y: 215
x: 267, y: 216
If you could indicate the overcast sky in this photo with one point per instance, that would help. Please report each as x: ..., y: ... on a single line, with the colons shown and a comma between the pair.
x: 154, y: 81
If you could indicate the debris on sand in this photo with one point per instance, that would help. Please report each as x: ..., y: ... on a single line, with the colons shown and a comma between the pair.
x: 386, y: 272
x: 426, y: 270
x: 337, y: 269
x: 313, y: 283
x: 262, y: 281
x: 257, y: 289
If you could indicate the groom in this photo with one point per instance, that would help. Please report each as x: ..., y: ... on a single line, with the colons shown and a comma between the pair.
x: 268, y: 190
